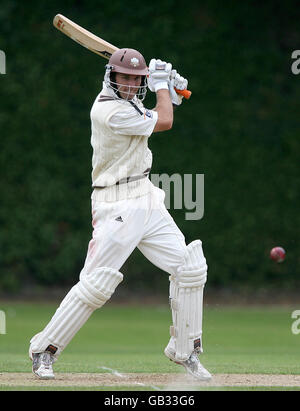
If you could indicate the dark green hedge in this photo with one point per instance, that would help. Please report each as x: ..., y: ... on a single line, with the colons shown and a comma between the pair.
x: 240, y: 128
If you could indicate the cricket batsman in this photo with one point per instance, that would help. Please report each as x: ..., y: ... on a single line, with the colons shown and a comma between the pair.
x: 128, y: 211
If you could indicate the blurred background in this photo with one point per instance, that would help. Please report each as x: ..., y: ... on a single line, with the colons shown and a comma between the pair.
x: 240, y: 129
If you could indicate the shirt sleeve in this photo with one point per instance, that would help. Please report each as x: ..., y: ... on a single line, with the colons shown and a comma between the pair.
x: 134, y: 123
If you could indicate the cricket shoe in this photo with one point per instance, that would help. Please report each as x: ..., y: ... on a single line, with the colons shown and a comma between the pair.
x: 192, y: 365
x: 42, y: 365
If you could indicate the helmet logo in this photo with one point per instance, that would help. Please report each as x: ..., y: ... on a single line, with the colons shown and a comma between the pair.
x: 134, y: 62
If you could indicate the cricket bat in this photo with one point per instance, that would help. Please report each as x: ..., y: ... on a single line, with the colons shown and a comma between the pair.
x: 92, y: 42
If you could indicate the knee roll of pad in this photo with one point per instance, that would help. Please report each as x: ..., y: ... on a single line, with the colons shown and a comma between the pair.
x: 194, y: 269
x: 96, y: 288
x: 186, y: 300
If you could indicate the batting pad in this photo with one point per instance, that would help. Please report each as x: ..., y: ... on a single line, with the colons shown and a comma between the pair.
x: 186, y: 301
x: 90, y: 293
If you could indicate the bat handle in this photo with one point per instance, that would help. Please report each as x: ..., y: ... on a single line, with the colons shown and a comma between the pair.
x: 185, y: 93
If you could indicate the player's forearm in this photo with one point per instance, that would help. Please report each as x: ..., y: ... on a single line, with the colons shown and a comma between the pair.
x: 164, y: 109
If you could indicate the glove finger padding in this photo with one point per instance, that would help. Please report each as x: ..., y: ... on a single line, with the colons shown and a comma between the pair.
x: 180, y: 82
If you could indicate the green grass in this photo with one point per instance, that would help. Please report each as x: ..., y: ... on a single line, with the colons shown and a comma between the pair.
x: 132, y: 339
x: 251, y: 340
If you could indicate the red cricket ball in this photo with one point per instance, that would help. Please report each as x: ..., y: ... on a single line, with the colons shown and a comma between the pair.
x: 277, y: 254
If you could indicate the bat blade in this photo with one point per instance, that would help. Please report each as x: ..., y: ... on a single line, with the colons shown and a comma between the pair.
x: 92, y: 42
x: 84, y: 37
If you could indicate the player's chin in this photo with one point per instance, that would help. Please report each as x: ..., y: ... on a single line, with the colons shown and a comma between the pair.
x: 127, y: 96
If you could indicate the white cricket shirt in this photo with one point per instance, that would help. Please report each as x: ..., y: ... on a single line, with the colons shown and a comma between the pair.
x: 120, y: 133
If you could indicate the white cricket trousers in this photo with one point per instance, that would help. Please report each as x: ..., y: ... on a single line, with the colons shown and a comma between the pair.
x: 118, y: 228
x: 144, y: 222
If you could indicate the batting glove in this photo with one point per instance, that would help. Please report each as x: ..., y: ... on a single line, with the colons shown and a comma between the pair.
x: 159, y: 74
x: 178, y: 82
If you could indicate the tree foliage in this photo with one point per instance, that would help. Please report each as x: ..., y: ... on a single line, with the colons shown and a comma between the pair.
x: 240, y: 129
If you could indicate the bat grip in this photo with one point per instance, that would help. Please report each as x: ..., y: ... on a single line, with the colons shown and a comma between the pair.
x: 185, y: 93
